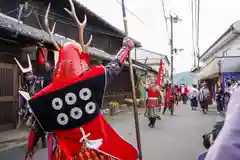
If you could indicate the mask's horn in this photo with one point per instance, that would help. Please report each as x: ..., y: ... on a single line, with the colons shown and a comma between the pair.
x: 25, y: 70
x: 19, y: 65
x: 29, y: 63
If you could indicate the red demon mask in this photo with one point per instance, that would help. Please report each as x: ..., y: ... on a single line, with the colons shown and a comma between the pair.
x: 72, y: 63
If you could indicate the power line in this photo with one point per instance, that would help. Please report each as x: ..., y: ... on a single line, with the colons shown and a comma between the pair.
x: 165, y: 18
x: 133, y: 14
x: 193, y: 33
x: 198, y: 13
x: 195, y: 8
x: 197, y: 25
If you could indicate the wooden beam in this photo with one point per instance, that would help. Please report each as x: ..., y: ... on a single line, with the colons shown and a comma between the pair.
x: 6, y: 99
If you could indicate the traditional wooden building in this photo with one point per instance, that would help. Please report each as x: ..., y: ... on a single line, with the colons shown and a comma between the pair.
x: 21, y: 27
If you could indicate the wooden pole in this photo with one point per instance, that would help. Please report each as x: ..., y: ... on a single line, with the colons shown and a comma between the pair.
x: 133, y: 87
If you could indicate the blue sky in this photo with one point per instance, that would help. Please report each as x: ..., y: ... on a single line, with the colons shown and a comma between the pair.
x: 215, y: 17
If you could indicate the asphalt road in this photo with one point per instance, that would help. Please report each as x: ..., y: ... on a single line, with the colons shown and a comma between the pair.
x: 175, y: 137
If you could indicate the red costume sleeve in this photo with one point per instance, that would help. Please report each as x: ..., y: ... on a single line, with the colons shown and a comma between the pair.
x: 114, y: 67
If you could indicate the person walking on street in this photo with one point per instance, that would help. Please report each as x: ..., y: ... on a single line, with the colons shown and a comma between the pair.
x: 219, y: 100
x: 193, y: 97
x: 176, y: 95
x: 169, y: 99
x: 203, y: 97
x: 184, y: 93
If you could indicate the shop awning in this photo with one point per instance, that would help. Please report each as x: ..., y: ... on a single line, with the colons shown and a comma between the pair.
x: 226, y: 64
x: 210, y: 70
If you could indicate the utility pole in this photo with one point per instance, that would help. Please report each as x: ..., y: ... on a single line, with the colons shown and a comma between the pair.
x: 198, y: 61
x: 171, y: 47
x: 173, y: 19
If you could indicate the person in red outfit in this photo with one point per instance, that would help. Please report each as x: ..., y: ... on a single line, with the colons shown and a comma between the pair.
x: 184, y: 91
x: 153, y: 90
x: 70, y: 105
x: 169, y: 99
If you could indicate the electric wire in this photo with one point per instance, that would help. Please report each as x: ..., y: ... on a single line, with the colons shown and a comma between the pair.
x: 11, y: 11
x: 71, y: 23
x: 193, y: 33
x: 195, y: 9
x: 197, y: 27
x: 165, y: 18
x: 133, y: 14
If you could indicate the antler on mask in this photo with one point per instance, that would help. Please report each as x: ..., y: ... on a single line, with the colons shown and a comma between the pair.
x: 81, y: 26
x: 50, y: 32
x: 25, y: 70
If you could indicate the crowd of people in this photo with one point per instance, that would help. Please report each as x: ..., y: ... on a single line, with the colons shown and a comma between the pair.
x: 200, y: 96
x: 169, y: 95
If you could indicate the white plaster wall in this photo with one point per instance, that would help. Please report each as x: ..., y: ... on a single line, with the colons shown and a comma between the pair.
x: 229, y: 55
x: 141, y: 55
x: 230, y: 49
x: 231, y: 64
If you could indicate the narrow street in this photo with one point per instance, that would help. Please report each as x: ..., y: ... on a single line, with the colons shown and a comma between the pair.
x: 175, y: 137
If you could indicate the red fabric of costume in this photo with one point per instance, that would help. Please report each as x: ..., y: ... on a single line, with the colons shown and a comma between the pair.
x: 168, y: 97
x: 186, y: 91
x: 153, y: 95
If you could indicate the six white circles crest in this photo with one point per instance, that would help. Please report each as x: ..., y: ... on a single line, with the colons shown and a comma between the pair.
x: 76, y: 113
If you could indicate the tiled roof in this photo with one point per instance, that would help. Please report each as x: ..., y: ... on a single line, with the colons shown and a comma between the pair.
x: 13, y: 26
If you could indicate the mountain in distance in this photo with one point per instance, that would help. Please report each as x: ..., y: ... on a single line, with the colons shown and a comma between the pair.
x: 183, y: 78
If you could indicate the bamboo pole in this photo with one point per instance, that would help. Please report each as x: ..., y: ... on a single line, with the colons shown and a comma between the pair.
x: 138, y: 137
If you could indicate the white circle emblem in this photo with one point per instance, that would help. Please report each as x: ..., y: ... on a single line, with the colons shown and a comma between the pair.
x: 76, y: 113
x: 70, y: 98
x: 62, y: 119
x: 90, y: 108
x: 85, y: 94
x: 57, y: 103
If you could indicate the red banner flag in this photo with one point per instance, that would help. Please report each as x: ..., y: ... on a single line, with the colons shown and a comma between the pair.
x: 160, y: 73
